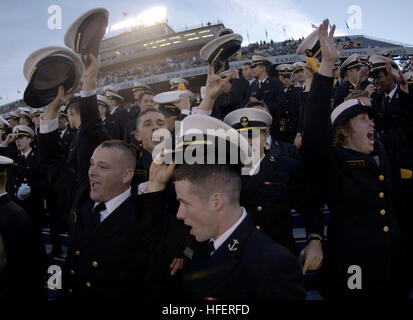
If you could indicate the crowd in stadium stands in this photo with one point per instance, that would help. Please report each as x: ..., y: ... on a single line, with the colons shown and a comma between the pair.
x: 159, y: 66
x: 11, y: 106
x: 193, y: 60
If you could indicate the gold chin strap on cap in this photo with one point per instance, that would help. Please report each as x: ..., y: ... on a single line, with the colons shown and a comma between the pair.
x: 188, y: 143
x: 31, y: 73
x: 79, y: 34
x: 251, y: 128
x: 217, y: 55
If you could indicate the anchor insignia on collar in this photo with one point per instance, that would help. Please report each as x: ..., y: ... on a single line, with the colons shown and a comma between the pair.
x: 233, y: 246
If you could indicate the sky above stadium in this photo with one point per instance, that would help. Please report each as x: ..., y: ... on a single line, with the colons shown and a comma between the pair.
x: 24, y: 24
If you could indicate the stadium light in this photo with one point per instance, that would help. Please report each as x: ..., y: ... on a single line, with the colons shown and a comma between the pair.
x: 152, y: 16
x: 147, y: 18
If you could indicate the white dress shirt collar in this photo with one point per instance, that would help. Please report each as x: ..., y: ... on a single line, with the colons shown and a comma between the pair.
x: 391, y: 94
x: 26, y: 154
x: 62, y: 133
x: 113, y: 204
x: 262, y: 81
x: 269, y: 141
x: 221, y: 239
x: 114, y: 110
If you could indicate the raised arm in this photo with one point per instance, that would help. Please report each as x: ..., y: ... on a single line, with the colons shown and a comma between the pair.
x: 92, y: 131
x: 317, y: 140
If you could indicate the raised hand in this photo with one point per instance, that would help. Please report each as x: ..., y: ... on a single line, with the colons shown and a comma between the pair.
x: 214, y: 86
x: 159, y: 174
x: 329, y: 50
x: 397, y: 76
x: 53, y: 107
x: 90, y: 74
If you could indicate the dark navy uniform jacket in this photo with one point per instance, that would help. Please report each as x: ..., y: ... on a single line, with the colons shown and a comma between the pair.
x: 248, y: 266
x: 290, y: 117
x: 270, y: 195
x: 116, y: 122
x: 272, y: 93
x: 361, y: 191
x: 21, y: 277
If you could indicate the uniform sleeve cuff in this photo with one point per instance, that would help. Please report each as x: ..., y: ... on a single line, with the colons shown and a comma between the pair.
x: 196, y: 110
x: 47, y: 126
x: 85, y: 94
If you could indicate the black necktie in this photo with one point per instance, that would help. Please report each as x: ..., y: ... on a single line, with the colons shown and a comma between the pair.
x: 386, y: 103
x: 96, y: 213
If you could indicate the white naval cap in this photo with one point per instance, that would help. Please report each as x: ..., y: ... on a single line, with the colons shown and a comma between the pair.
x: 310, y: 46
x: 112, y: 92
x: 4, y: 163
x: 86, y: 32
x: 257, y: 60
x: 175, y: 82
x: 22, y: 130
x: 211, y: 132
x: 378, y: 62
x: 351, y: 62
x: 14, y: 114
x: 102, y: 100
x: 45, y: 70
x: 348, y: 109
x: 218, y: 50
x: 299, y: 65
x: 25, y: 112
x: 285, y: 69
x: 170, y: 97
x: 140, y: 86
x: 248, y: 119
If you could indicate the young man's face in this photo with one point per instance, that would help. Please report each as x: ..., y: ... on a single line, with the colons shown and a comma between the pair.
x: 336, y: 73
x: 107, y: 174
x: 146, y: 102
x: 102, y: 111
x: 147, y: 125
x: 136, y: 94
x: 285, y: 80
x: 247, y: 72
x: 258, y: 70
x: 23, y: 143
x: 62, y: 121
x: 196, y: 212
x: 259, y: 141
x: 299, y: 75
x: 352, y: 75
x: 13, y: 122
x: 23, y: 121
x: 383, y: 82
x: 361, y: 138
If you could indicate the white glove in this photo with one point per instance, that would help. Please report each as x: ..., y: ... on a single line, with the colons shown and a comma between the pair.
x: 24, y: 191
